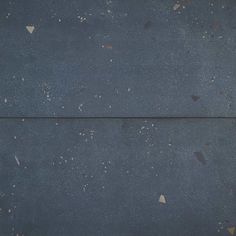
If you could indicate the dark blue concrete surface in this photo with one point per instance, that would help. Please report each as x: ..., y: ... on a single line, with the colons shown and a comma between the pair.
x: 118, y: 58
x: 117, y: 118
x: 104, y: 177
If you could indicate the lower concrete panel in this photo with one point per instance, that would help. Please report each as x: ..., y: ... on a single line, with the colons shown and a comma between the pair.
x: 117, y: 177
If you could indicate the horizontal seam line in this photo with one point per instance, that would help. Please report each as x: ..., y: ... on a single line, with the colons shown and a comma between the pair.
x: 113, y: 117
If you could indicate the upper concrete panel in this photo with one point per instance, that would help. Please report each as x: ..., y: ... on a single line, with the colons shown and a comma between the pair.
x: 117, y: 58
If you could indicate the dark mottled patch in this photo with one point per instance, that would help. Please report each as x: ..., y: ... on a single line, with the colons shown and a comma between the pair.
x: 195, y: 98
x: 200, y: 157
x: 153, y: 39
x: 216, y: 25
x: 148, y: 25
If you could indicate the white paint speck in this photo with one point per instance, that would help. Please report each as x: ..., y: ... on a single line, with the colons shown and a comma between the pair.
x: 176, y: 6
x: 80, y: 107
x: 17, y: 160
x: 162, y: 199
x: 30, y: 28
x: 8, y: 14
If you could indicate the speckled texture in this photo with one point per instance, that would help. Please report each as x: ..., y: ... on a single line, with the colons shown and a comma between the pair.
x: 105, y: 177
x: 117, y: 118
x: 118, y: 58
